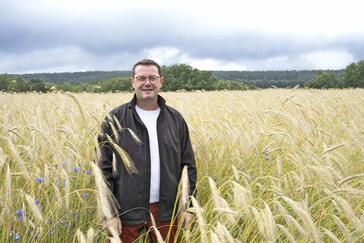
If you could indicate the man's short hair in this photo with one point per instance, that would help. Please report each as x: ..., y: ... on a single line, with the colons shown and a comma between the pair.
x: 147, y: 62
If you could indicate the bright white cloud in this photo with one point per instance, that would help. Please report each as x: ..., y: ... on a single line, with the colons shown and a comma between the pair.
x: 212, y: 64
x: 163, y: 55
x: 328, y: 59
x: 171, y: 55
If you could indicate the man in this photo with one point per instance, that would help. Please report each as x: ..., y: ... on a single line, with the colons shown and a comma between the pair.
x: 163, y: 150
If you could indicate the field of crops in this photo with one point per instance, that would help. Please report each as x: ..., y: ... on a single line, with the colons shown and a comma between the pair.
x: 273, y: 165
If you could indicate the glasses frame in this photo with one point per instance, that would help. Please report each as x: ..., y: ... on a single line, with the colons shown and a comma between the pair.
x: 143, y: 79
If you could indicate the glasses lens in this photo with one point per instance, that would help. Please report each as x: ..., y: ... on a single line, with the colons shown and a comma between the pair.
x: 141, y: 78
x: 150, y: 78
x: 153, y: 78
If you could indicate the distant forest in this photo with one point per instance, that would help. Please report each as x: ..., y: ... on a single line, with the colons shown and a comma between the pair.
x: 292, y: 77
x: 72, y: 77
x: 279, y: 79
x: 185, y: 77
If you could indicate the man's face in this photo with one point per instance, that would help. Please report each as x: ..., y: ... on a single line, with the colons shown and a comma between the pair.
x: 146, y: 82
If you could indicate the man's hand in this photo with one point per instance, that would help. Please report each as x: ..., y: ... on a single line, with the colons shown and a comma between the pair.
x: 187, y: 219
x: 114, y: 224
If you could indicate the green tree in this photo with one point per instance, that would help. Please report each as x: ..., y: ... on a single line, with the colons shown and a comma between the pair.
x: 185, y: 77
x: 4, y: 82
x: 354, y: 75
x: 323, y: 80
x: 37, y: 85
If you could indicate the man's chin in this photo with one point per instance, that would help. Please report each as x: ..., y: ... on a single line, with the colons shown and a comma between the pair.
x: 148, y: 97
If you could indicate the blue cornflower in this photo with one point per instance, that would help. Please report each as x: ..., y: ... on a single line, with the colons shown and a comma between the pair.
x: 87, y: 171
x: 19, y: 212
x: 86, y: 194
x: 37, y: 201
x: 16, y: 236
x: 40, y: 179
x: 76, y: 169
x: 19, y: 215
x: 36, y: 237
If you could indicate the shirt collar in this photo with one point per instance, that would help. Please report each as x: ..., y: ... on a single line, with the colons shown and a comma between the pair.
x: 161, y: 102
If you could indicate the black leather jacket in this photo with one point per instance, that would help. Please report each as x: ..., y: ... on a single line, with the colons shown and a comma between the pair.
x: 175, y: 151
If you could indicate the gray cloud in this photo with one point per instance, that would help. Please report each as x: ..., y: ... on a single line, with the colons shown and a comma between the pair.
x: 353, y: 44
x: 35, y: 41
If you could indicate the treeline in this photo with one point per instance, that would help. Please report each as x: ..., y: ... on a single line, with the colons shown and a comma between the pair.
x: 185, y: 77
x: 177, y: 77
x: 353, y: 76
x: 261, y: 77
x: 72, y: 77
x: 8, y: 84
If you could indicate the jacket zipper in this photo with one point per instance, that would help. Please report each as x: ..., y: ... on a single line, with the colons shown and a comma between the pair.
x: 146, y: 155
x: 147, y: 188
x: 160, y: 167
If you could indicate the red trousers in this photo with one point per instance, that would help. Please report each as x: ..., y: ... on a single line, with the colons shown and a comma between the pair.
x: 131, y: 232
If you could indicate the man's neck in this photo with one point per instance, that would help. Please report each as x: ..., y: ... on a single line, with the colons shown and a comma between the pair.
x: 148, y: 105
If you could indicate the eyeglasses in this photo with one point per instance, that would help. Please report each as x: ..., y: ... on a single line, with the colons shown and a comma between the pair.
x: 151, y: 79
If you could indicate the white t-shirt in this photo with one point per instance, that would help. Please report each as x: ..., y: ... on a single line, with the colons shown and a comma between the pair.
x: 149, y: 118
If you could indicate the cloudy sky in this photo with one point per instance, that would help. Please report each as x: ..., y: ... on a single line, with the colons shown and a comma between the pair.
x: 81, y: 35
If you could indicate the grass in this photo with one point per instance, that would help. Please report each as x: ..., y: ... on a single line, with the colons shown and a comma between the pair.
x: 273, y: 165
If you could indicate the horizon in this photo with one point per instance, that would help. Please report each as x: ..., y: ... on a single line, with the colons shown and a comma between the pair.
x: 295, y: 70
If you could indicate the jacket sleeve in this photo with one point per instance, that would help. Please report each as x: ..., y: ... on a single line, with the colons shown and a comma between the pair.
x: 105, y: 157
x: 188, y: 158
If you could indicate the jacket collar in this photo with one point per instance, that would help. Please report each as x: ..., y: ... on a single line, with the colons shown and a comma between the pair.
x: 161, y: 102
